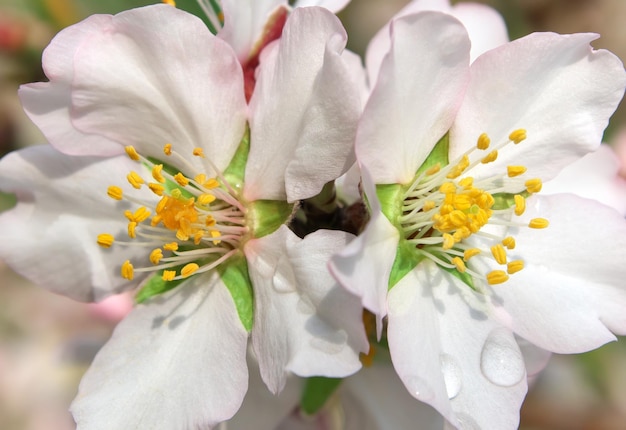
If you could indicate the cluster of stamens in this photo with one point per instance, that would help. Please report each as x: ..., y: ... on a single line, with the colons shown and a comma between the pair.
x: 443, y: 207
x: 193, y: 225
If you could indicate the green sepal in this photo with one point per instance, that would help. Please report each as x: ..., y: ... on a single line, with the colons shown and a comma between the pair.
x: 390, y: 197
x: 266, y: 216
x: 156, y: 285
x: 317, y: 390
x: 234, y: 274
x: 407, y: 258
x: 506, y: 200
x: 236, y: 169
x: 438, y: 155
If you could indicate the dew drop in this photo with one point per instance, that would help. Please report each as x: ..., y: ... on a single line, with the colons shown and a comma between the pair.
x: 501, y: 360
x: 452, y: 375
x: 420, y: 388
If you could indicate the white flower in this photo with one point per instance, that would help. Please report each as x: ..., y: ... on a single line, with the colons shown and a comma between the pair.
x: 148, y: 107
x: 457, y: 254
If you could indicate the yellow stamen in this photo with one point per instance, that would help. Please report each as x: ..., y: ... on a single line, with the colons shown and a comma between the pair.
x: 156, y: 255
x: 180, y: 178
x: 127, y: 270
x: 520, y: 204
x: 170, y: 2
x: 434, y: 169
x: 132, y: 226
x: 490, y: 157
x: 167, y: 149
x: 156, y: 173
x: 215, y: 234
x: 497, y: 277
x: 499, y: 254
x: 467, y: 182
x: 172, y: 246
x: 157, y: 189
x: 538, y: 223
x: 514, y: 266
x: 141, y: 214
x: 205, y: 199
x: 518, y: 135
x: 132, y: 152
x: 460, y: 265
x: 115, y: 192
x: 514, y: 171
x: 509, y: 242
x: 448, y: 241
x: 428, y: 205
x: 533, y: 185
x: 168, y: 275
x: 135, y: 180
x: 447, y: 188
x: 189, y: 270
x: 105, y: 240
x: 470, y: 253
x: 483, y: 141
x: 198, y: 152
x: 459, y: 168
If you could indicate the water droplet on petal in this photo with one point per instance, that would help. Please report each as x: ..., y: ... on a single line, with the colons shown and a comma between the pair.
x: 452, y: 375
x: 501, y: 360
x: 420, y: 388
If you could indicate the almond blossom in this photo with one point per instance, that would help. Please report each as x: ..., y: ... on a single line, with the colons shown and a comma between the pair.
x: 161, y: 175
x: 463, y: 255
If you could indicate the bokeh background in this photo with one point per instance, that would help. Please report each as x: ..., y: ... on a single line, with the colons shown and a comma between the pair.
x: 48, y: 341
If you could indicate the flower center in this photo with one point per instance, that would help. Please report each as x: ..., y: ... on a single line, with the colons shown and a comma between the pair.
x: 196, y: 225
x: 444, y: 207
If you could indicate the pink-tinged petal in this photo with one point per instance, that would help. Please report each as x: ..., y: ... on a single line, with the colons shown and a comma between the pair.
x: 364, y: 266
x: 304, y: 322
x: 450, y: 354
x: 262, y: 410
x: 305, y: 94
x: 570, y: 295
x: 555, y: 86
x: 244, y: 22
x: 62, y: 208
x: 419, y: 89
x: 332, y: 5
x: 176, y: 362
x: 375, y: 398
x: 594, y: 176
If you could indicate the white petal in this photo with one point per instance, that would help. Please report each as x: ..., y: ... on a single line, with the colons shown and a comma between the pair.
x: 419, y: 89
x: 332, y: 5
x: 556, y: 87
x: 304, y: 322
x: 364, y: 266
x: 50, y: 236
x: 450, y: 354
x: 570, y: 294
x: 594, y: 176
x: 244, y: 21
x: 485, y: 26
x: 305, y: 94
x: 176, y: 362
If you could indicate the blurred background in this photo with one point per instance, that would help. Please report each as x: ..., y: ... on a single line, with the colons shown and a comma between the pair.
x: 48, y: 341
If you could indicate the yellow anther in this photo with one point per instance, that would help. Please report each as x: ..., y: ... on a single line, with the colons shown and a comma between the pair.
x: 483, y: 141
x: 514, y: 171
x: 428, y: 205
x: 499, y: 254
x: 197, y: 237
x: 105, y: 240
x: 497, y: 277
x: 458, y: 218
x: 211, y: 183
x: 472, y: 252
x: 135, y: 179
x: 168, y: 275
x: 509, y: 242
x: 520, y: 204
x: 156, y: 173
x: 447, y: 188
x: 198, y: 152
x: 209, y: 221
x: 156, y: 255
x: 129, y: 215
x: 538, y: 223
x: 460, y: 265
x: 132, y: 227
x: 434, y: 169
x: 514, y: 266
x: 490, y: 157
x: 533, y: 185
x: 205, y: 199
x: 215, y: 234
x: 518, y: 135
x: 467, y: 182
x: 172, y: 246
x: 189, y: 270
x: 127, y: 270
x: 459, y: 168
x: 160, y: 207
x: 171, y: 3
x: 115, y: 192
x: 132, y: 152
x: 141, y: 214
x: 448, y: 241
x: 157, y: 189
x: 180, y: 178
x: 167, y: 149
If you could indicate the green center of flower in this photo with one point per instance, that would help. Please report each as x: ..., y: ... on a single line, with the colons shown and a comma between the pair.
x: 445, y: 206
x: 197, y: 224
